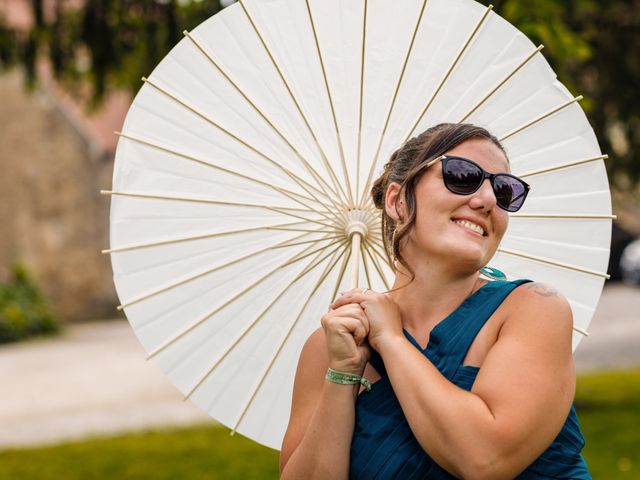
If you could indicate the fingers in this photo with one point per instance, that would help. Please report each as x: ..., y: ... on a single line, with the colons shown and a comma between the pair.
x: 346, y: 325
x: 355, y: 328
x: 347, y: 319
x: 357, y: 295
x: 352, y: 310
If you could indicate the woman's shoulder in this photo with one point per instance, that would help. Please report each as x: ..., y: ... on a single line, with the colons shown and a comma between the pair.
x: 539, y: 307
x: 314, y: 353
x: 538, y: 293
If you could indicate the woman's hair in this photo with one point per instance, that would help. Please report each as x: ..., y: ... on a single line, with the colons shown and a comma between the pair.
x: 406, y: 166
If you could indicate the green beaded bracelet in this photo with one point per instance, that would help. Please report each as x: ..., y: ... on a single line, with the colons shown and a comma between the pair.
x: 347, y: 379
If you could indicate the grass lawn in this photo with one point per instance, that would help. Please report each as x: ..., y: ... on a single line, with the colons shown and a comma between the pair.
x: 194, y: 453
x: 608, y: 406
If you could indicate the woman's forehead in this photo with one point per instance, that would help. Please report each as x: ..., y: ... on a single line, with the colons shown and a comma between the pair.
x: 484, y: 152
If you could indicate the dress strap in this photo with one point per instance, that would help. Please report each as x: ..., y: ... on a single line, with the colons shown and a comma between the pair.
x: 452, y: 343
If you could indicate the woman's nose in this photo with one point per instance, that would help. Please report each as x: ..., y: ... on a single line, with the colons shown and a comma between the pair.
x: 484, y: 197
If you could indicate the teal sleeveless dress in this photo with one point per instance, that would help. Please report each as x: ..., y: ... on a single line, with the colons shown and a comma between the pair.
x: 383, y: 446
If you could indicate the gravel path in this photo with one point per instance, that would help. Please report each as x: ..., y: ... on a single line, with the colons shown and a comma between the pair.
x: 614, y: 333
x: 94, y: 378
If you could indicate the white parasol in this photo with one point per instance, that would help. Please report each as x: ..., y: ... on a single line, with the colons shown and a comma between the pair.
x: 240, y: 189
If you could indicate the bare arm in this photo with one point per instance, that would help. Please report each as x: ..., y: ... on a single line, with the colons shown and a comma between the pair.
x: 318, y: 439
x: 519, y: 400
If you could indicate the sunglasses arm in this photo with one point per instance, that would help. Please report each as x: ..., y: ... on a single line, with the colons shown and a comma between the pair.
x: 435, y: 160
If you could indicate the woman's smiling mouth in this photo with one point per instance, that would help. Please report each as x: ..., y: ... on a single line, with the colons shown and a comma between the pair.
x: 474, y: 227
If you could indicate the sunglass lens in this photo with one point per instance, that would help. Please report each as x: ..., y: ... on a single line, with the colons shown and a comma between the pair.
x: 510, y: 192
x: 462, y: 176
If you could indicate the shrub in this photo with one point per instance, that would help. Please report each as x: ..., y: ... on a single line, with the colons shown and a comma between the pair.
x: 23, y: 310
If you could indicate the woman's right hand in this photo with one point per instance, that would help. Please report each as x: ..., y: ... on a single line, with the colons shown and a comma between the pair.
x: 346, y: 329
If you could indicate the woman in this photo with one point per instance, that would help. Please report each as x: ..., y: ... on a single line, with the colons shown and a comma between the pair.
x: 484, y: 393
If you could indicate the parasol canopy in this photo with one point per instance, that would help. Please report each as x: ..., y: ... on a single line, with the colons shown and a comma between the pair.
x: 240, y: 188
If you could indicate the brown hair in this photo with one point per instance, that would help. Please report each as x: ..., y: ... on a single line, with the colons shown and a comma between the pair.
x: 406, y: 166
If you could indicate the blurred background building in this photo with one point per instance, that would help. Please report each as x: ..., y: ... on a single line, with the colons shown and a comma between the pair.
x: 56, y: 155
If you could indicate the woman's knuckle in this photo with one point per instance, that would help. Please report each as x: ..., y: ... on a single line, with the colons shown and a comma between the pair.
x: 327, y: 320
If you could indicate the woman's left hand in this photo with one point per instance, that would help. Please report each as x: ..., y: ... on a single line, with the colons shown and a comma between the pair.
x: 381, y: 311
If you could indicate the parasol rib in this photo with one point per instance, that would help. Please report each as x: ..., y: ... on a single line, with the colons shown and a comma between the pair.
x: 297, y: 258
x: 283, y: 210
x: 202, y: 237
x: 212, y: 312
x: 501, y: 84
x: 562, y: 167
x: 380, y: 245
x: 290, y: 194
x: 304, y: 242
x: 541, y: 117
x: 449, y: 72
x: 295, y: 101
x: 322, y: 259
x: 377, y: 267
x: 373, y: 223
x: 380, y: 252
x: 202, y: 274
x: 393, y: 101
x: 275, y: 356
x: 554, y: 263
x: 297, y: 229
x: 594, y: 216
x: 343, y: 268
x: 333, y: 111
x: 360, y: 106
x: 321, y: 182
x: 581, y: 331
x: 302, y: 183
x: 249, y: 328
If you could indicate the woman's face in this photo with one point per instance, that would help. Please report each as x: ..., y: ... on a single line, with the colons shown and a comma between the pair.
x: 463, y: 229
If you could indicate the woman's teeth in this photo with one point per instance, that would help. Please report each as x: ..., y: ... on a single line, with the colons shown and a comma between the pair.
x: 471, y: 226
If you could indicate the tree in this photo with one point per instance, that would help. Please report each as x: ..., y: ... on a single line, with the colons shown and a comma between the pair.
x: 109, y: 43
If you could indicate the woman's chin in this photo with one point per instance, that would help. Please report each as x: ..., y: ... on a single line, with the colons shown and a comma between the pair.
x: 460, y: 254
x: 468, y: 256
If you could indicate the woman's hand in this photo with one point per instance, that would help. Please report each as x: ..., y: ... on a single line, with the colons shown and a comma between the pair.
x: 346, y: 328
x: 380, y: 310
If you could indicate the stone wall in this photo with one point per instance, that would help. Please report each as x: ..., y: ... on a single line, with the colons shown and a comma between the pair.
x: 53, y: 218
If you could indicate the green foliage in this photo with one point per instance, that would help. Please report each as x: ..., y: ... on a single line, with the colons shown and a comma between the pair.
x: 113, y: 43
x: 107, y: 44
x: 8, y: 51
x: 23, y: 311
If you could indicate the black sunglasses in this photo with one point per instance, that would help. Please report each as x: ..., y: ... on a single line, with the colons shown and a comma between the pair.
x: 464, y: 177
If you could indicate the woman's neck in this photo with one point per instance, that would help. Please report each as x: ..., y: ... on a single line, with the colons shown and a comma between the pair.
x: 431, y: 296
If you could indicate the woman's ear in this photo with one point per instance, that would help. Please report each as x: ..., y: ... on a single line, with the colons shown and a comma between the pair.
x: 394, y: 204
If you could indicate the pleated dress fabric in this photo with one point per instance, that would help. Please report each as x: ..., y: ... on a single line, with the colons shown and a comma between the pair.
x: 383, y: 446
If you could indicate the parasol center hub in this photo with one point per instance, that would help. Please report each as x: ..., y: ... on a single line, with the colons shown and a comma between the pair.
x: 356, y: 223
